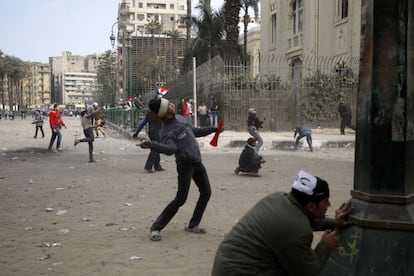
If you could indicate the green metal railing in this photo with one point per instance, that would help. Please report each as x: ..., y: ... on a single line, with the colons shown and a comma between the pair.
x: 125, y: 119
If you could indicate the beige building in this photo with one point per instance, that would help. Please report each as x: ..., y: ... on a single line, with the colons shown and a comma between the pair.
x: 299, y: 37
x: 36, y: 88
x: 136, y: 14
x: 73, y: 79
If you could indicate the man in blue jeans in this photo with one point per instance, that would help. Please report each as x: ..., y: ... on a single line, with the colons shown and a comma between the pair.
x: 253, y: 125
x: 303, y: 131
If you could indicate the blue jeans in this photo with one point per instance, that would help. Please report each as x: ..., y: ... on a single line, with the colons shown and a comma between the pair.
x: 253, y: 132
x: 55, y: 134
x: 213, y: 119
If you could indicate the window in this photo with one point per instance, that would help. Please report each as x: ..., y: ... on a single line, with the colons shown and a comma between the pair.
x: 344, y: 9
x: 171, y: 6
x: 140, y: 17
x: 297, y: 18
x: 140, y: 5
x: 273, y: 29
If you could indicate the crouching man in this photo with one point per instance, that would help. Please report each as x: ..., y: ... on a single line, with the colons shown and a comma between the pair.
x: 275, y: 236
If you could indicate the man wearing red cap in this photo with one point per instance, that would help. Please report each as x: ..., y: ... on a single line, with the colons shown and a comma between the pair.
x: 275, y: 236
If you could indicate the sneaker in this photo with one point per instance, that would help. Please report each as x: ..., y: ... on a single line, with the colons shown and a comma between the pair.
x: 34, y: 137
x: 160, y: 169
x: 92, y: 161
x: 77, y: 141
x: 59, y: 149
x: 155, y: 235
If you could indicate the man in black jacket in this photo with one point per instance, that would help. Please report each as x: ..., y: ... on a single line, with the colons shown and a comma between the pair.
x: 249, y: 161
x: 346, y: 116
x: 178, y: 137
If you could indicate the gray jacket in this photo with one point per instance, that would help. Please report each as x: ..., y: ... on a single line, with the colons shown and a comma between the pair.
x: 178, y: 137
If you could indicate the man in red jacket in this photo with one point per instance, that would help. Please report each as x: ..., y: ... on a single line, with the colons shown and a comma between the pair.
x: 56, y: 124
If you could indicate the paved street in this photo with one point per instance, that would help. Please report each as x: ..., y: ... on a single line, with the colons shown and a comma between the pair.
x: 63, y: 216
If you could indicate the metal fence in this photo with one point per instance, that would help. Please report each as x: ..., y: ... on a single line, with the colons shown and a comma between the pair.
x: 127, y: 120
x: 301, y: 91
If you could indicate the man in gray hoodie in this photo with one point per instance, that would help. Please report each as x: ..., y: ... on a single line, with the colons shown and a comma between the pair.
x: 178, y: 137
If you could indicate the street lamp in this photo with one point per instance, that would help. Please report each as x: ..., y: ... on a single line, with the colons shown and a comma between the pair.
x: 112, y: 37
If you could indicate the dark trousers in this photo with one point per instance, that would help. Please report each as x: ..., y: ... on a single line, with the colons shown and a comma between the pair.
x: 203, y: 120
x: 55, y: 134
x: 89, y: 138
x: 41, y: 130
x: 153, y: 159
x: 346, y: 122
x: 186, y: 172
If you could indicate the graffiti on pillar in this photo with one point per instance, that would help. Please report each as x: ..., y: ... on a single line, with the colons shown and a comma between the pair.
x: 350, y: 249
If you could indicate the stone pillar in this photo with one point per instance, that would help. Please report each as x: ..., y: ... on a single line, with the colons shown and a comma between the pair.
x: 381, y: 242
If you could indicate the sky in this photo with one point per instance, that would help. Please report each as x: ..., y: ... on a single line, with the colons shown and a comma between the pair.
x: 34, y: 30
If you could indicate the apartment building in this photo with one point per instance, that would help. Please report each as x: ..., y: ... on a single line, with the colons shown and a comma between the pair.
x: 73, y: 79
x: 36, y: 86
x: 137, y: 43
x: 79, y: 88
x: 136, y: 14
x: 305, y: 36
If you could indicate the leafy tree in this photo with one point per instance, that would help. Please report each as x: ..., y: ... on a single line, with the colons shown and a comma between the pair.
x: 106, y: 78
x: 210, y: 31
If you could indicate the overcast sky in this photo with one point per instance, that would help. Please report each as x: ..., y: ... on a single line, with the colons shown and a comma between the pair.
x: 34, y: 30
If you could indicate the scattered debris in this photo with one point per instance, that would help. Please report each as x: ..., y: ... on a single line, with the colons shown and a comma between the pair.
x: 44, y: 257
x: 61, y: 212
x: 135, y: 258
x: 52, y: 244
x: 64, y: 231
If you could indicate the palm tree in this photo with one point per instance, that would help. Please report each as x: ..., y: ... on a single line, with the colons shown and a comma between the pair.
x: 246, y: 4
x: 231, y: 18
x: 153, y: 27
x: 188, y: 25
x: 210, y: 29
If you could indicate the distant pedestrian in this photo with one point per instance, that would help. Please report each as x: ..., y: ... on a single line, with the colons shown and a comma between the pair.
x: 346, y: 116
x: 181, y: 107
x: 56, y: 123
x: 249, y: 161
x: 38, y: 121
x: 303, y: 131
x: 87, y: 117
x: 155, y: 123
x: 214, y: 110
x: 203, y: 114
x: 179, y: 138
x: 98, y: 121
x: 253, y: 126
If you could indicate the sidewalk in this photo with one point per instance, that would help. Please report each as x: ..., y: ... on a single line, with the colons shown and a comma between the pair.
x: 283, y: 140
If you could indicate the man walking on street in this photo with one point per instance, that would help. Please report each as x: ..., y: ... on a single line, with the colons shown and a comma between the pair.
x: 56, y: 124
x: 346, y: 116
